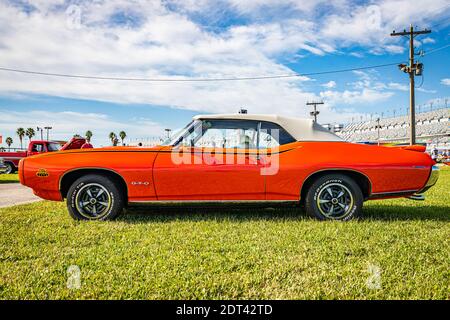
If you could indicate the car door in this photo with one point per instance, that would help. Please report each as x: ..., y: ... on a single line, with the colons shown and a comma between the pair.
x: 283, y: 163
x: 214, y: 160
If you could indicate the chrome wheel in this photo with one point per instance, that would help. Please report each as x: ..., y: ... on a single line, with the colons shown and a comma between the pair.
x: 334, y: 200
x: 9, y: 168
x: 93, y: 201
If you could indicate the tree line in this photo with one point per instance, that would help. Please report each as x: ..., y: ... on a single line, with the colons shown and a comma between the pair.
x: 30, y: 133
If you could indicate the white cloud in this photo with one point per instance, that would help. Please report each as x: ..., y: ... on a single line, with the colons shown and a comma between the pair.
x: 428, y: 40
x: 168, y: 44
x: 350, y: 97
x: 398, y: 86
x: 426, y: 90
x: 329, y: 84
x: 164, y: 45
x: 366, y: 90
x: 445, y: 81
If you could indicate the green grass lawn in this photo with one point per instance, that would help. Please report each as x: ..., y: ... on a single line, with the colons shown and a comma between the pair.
x: 9, y: 178
x: 225, y: 253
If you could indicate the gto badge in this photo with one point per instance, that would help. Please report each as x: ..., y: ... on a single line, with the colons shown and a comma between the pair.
x: 42, y: 173
x: 140, y: 183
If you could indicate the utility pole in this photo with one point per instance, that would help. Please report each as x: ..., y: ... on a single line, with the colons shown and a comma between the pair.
x: 414, y: 69
x: 315, y: 112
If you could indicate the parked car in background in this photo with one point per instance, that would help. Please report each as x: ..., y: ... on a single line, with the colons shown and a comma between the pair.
x: 3, y: 167
x: 234, y: 159
x: 11, y: 159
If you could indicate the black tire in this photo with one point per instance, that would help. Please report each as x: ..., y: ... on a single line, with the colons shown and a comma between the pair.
x: 10, y: 168
x: 95, y: 197
x: 325, y: 202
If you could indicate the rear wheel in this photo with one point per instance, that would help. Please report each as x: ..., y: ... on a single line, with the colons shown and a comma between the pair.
x: 94, y: 197
x: 334, y: 197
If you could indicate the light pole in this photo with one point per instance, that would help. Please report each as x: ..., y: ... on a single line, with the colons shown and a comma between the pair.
x: 48, y: 128
x: 315, y: 112
x: 168, y: 131
x: 41, y: 130
x: 378, y: 127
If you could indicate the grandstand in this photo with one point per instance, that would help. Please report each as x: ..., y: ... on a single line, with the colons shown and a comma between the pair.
x: 432, y: 127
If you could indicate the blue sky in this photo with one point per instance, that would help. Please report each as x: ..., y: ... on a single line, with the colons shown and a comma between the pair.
x: 210, y: 39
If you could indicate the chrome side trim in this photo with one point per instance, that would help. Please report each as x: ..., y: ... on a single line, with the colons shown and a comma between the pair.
x: 213, y: 203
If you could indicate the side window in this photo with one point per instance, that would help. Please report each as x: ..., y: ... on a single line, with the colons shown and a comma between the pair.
x: 272, y: 135
x: 241, y: 134
x: 37, y: 147
x: 266, y: 141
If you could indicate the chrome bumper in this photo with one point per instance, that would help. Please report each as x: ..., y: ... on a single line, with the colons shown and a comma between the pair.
x: 434, y: 176
x: 432, y: 179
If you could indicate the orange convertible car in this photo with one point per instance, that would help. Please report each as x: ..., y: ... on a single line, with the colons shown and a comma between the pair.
x: 233, y: 158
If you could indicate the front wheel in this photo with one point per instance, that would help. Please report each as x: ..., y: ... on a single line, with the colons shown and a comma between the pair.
x: 94, y: 197
x: 334, y: 197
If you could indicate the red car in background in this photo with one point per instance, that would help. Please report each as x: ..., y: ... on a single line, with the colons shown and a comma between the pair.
x: 11, y: 159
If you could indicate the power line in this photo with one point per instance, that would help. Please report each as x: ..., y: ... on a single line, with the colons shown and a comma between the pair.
x: 293, y: 75
x: 437, y: 49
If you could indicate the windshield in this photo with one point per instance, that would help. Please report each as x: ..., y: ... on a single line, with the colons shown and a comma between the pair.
x: 177, y: 136
x: 53, y: 147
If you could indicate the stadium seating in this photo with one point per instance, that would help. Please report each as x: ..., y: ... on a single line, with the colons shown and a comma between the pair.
x: 431, y: 127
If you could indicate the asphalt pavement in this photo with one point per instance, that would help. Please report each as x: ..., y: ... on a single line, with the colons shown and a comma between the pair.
x: 12, y: 194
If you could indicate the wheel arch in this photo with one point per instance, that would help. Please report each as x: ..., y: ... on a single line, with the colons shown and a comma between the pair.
x: 69, y: 177
x: 360, y: 178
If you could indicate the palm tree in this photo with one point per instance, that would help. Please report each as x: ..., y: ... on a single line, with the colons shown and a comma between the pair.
x: 88, y: 135
x: 21, y: 133
x: 9, y: 142
x: 112, y: 137
x: 30, y: 133
x: 122, y: 136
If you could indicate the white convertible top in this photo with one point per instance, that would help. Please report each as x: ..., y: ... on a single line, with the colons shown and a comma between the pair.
x: 299, y: 128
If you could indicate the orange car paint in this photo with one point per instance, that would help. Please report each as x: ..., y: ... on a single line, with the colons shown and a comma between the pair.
x: 150, y: 173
